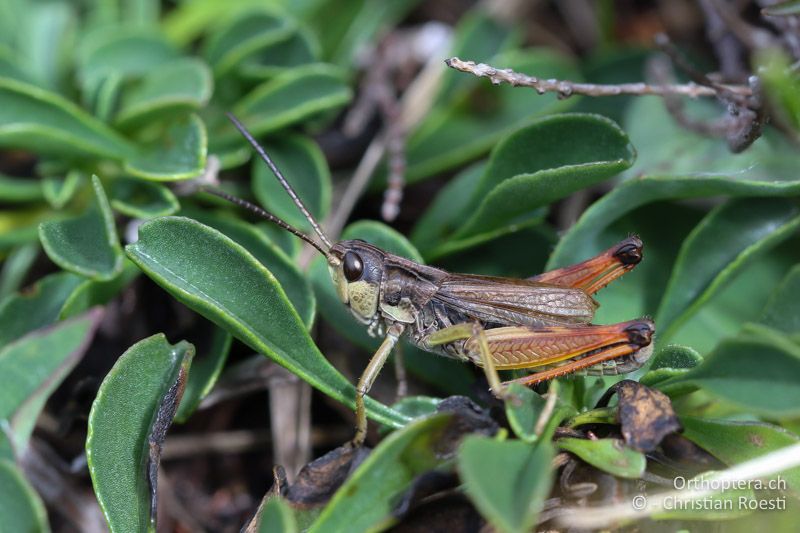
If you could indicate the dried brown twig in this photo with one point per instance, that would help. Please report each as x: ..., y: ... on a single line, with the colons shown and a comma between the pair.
x: 566, y: 88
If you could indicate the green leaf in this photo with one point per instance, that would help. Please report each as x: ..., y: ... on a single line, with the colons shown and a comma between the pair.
x: 45, y: 123
x: 219, y: 279
x: 47, y: 33
x: 206, y: 368
x: 180, y: 154
x: 667, y: 148
x: 346, y: 27
x: 465, y: 129
x: 166, y: 91
x: 20, y: 506
x: 142, y: 199
x: 303, y: 164
x: 245, y: 35
x: 86, y: 244
x: 121, y: 50
x: 297, y: 50
x: 188, y: 20
x: 12, y: 67
x: 525, y: 408
x: 105, y: 98
x: 34, y: 366
x: 417, y: 406
x: 537, y: 165
x: 15, y: 267
x: 609, y: 455
x: 759, y: 371
x: 93, y: 292
x: 718, y: 248
x: 277, y: 517
x: 448, y: 210
x: 368, y: 496
x: 734, y: 442
x: 585, y: 237
x: 292, y: 281
x: 19, y: 190
x: 59, y: 191
x: 780, y: 84
x: 36, y: 307
x: 670, y: 361
x: 506, y: 480
x: 782, y: 312
x: 120, y: 424
x: 292, y: 97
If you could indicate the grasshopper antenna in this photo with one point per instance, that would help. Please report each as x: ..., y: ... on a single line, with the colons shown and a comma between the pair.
x: 268, y: 160
x: 267, y: 215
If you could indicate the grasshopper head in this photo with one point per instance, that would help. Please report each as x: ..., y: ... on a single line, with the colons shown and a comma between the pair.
x: 356, y: 269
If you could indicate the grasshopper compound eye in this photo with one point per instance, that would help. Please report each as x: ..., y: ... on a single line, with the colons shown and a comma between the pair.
x: 353, y: 266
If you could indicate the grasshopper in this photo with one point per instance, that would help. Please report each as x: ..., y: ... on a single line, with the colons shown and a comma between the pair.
x: 543, y: 322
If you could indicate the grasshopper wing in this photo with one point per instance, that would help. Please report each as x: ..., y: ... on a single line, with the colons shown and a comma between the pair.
x: 515, y: 301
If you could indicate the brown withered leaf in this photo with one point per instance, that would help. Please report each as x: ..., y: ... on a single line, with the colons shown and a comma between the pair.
x: 318, y: 480
x: 645, y: 415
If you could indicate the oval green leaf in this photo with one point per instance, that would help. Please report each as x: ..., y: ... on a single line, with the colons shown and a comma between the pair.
x: 277, y: 517
x: 166, y: 91
x: 759, y: 371
x: 292, y: 281
x: 45, y: 123
x: 34, y: 366
x: 206, y: 368
x: 297, y: 50
x: 87, y: 244
x: 781, y: 311
x: 220, y: 280
x: 142, y: 199
x: 20, y: 190
x: 292, y: 97
x: 178, y: 155
x: 92, y: 292
x: 120, y: 424
x: 525, y: 408
x: 468, y: 127
x: 670, y: 361
x: 718, y: 248
x: 734, y: 442
x: 539, y: 164
x: 120, y: 50
x: 303, y: 164
x: 59, y: 191
x: 506, y: 480
x: 21, y: 508
x: 36, y: 307
x: 585, y: 237
x: 245, y: 35
x: 15, y: 268
x: 609, y: 455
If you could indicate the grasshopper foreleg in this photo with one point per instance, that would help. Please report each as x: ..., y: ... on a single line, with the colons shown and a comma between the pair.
x: 368, y: 378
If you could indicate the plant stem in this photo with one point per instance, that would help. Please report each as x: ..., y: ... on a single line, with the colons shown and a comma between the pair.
x: 566, y: 88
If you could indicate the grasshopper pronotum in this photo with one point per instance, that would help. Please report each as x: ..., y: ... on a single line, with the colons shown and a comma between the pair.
x: 541, y: 322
